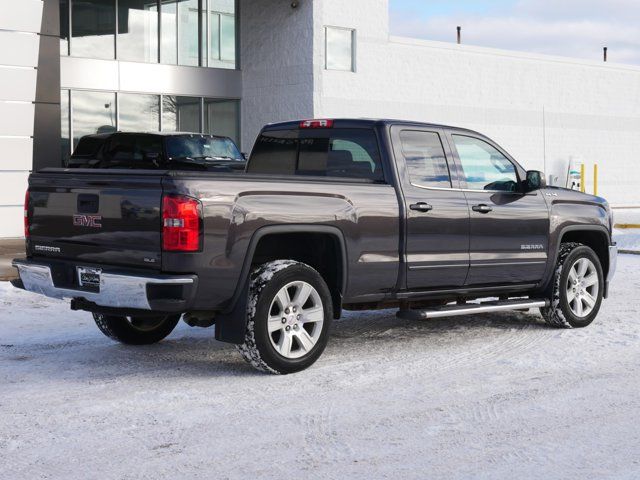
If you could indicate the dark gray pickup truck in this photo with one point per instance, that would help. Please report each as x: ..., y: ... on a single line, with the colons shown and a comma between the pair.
x: 329, y: 215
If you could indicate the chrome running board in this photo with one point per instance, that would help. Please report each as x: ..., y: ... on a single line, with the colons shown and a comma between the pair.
x: 471, y: 308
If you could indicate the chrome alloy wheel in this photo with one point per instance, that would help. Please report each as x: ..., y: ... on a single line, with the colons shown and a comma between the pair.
x: 582, y: 287
x: 295, y: 320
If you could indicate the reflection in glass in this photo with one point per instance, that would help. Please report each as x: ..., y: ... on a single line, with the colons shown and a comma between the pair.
x: 227, y: 38
x: 93, y: 25
x: 188, y: 32
x: 222, y: 117
x: 169, y: 32
x: 64, y: 27
x: 138, y: 113
x: 138, y: 30
x: 180, y: 114
x: 65, y: 127
x: 339, y: 54
x: 222, y: 34
x: 93, y: 112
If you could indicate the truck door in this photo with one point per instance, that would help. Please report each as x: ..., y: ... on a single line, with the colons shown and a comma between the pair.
x: 509, y: 234
x: 437, y: 217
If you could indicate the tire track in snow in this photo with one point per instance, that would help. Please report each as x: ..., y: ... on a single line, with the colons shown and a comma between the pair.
x: 322, y: 441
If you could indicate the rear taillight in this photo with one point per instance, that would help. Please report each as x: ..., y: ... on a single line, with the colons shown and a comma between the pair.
x: 181, y: 224
x: 316, y: 124
x: 26, y: 215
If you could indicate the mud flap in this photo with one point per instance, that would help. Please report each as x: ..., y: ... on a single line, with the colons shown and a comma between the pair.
x: 231, y: 326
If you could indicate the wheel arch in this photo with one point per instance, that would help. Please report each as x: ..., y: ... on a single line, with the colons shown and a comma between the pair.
x: 282, y: 242
x: 596, y: 237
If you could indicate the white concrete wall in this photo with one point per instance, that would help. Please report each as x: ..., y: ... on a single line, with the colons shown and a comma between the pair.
x: 19, y: 45
x: 277, y: 63
x: 591, y: 110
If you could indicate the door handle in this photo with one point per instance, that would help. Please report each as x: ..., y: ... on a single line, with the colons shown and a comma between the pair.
x: 421, y: 207
x: 482, y: 208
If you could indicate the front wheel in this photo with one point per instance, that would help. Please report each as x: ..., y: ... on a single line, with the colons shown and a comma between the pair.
x: 289, y: 314
x: 136, y: 330
x: 576, y: 291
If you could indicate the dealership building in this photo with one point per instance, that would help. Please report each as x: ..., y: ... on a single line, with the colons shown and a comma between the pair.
x: 69, y: 68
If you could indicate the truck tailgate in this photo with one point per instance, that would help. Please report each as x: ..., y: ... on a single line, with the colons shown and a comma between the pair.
x: 112, y: 218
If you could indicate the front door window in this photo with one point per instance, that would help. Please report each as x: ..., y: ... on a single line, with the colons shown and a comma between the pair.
x: 484, y: 167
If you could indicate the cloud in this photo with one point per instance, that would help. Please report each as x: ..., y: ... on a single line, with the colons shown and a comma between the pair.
x: 572, y: 28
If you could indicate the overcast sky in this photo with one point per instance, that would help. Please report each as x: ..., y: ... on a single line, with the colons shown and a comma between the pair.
x: 573, y: 28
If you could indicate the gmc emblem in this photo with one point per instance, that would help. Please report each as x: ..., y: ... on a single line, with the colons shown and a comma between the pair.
x: 91, y: 221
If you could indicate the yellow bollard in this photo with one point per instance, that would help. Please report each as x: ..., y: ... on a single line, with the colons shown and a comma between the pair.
x: 595, y: 179
x: 582, y: 178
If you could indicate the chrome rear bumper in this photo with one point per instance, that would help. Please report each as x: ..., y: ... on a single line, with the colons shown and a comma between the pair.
x: 117, y: 290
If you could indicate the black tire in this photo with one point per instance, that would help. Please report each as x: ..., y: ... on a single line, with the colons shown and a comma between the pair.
x: 265, y: 283
x: 136, y: 330
x: 559, y: 313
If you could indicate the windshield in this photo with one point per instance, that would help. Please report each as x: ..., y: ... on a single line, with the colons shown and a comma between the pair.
x: 202, y: 147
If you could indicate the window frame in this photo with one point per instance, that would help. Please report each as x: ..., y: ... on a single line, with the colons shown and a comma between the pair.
x: 519, y: 171
x: 354, y: 41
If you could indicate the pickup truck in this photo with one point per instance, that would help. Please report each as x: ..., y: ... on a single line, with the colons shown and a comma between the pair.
x: 330, y: 215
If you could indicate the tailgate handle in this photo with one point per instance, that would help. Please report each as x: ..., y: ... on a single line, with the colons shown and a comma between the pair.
x: 88, y: 203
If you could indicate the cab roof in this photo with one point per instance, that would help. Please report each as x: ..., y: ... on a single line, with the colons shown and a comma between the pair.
x: 362, y: 123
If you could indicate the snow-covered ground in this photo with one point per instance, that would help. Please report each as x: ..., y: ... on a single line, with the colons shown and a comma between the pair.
x: 494, y: 396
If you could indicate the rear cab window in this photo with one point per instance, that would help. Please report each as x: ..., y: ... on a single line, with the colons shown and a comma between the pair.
x: 351, y: 153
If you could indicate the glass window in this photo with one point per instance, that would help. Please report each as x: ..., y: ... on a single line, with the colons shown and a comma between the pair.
x: 340, y: 49
x: 93, y: 112
x: 347, y: 153
x: 137, y: 30
x: 169, y: 32
x: 138, y: 113
x: 425, y: 159
x: 64, y: 27
x: 65, y: 142
x: 130, y: 150
x: 484, y: 167
x: 222, y: 117
x: 222, y: 34
x: 201, y: 147
x: 275, y: 152
x: 93, y: 26
x: 188, y: 32
x: 228, y: 38
x: 181, y: 114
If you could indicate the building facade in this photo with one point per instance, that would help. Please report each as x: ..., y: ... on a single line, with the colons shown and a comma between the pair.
x: 73, y: 67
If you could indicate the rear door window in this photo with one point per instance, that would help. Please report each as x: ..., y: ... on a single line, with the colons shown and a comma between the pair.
x: 425, y: 159
x: 339, y: 153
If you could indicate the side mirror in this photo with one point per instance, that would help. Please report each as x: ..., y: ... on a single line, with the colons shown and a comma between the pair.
x: 535, y: 181
x: 245, y: 156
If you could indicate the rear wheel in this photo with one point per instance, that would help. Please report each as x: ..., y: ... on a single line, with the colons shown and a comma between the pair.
x: 136, y: 330
x: 288, y: 317
x: 577, y: 288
